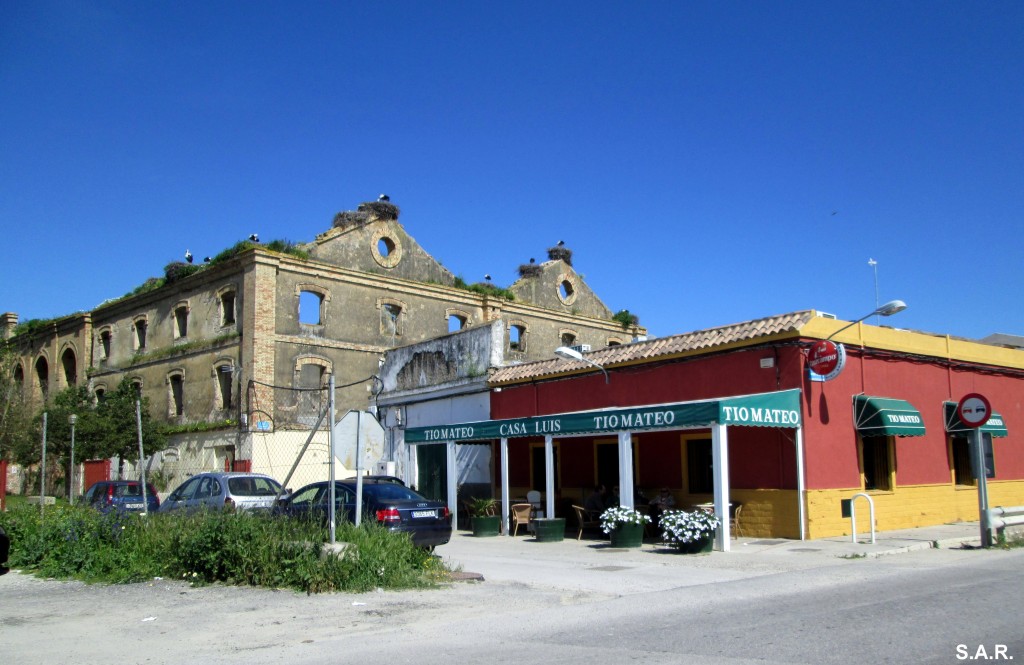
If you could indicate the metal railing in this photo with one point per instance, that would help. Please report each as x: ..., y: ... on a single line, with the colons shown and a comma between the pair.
x: 853, y: 515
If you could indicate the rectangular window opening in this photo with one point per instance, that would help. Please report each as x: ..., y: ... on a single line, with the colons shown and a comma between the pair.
x: 877, y: 463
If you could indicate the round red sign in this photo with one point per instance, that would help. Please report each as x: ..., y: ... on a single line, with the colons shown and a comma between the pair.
x: 974, y: 410
x: 823, y: 357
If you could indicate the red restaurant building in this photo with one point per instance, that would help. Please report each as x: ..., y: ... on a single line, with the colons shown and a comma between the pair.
x: 884, y: 424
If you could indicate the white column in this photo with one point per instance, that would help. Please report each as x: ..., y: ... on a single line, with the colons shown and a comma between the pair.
x: 505, y: 507
x: 453, y: 486
x: 720, y: 460
x: 626, y: 469
x: 801, y: 483
x: 549, y: 476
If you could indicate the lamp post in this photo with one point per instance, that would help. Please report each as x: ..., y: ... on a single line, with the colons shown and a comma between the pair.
x: 888, y: 309
x: 566, y: 353
x: 72, y: 419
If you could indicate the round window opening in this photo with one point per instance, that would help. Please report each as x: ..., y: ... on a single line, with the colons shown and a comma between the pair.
x: 566, y: 291
x: 386, y: 248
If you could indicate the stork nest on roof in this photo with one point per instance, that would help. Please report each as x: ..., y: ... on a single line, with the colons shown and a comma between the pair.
x: 530, y: 270
x: 350, y: 218
x: 560, y: 252
x: 381, y: 209
x: 365, y: 213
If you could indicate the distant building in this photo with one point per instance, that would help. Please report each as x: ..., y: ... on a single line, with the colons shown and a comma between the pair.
x: 207, y: 345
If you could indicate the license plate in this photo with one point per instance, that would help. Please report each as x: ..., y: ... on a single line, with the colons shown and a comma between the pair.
x: 133, y: 506
x: 424, y: 513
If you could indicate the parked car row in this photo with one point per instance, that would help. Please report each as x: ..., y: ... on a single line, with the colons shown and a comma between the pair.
x: 385, y: 499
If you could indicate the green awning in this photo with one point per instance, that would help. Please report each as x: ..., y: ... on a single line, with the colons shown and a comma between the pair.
x: 775, y: 409
x: 995, y: 425
x: 885, y: 416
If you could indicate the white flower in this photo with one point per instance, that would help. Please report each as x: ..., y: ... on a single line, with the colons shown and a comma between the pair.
x: 679, y: 526
x: 613, y: 517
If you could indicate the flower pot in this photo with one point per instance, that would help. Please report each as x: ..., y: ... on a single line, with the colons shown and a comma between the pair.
x: 486, y: 526
x: 549, y: 529
x: 701, y: 546
x: 628, y: 535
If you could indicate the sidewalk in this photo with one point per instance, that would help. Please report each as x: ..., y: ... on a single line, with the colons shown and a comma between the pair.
x: 591, y: 565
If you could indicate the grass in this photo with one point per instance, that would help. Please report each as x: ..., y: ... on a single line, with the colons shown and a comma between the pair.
x: 1011, y: 541
x: 242, y: 548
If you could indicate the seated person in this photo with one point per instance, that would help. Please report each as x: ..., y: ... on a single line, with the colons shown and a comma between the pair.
x: 664, y: 501
x: 596, y: 502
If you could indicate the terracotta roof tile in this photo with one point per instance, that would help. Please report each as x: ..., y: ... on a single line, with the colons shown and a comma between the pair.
x: 658, y: 347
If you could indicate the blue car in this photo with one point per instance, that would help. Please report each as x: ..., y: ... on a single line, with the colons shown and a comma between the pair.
x: 121, y: 495
x: 394, y: 506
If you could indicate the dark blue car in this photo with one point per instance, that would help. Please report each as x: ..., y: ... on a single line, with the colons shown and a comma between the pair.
x: 121, y: 495
x: 394, y: 506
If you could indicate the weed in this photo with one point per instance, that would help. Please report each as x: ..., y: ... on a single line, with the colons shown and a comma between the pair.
x: 214, y: 547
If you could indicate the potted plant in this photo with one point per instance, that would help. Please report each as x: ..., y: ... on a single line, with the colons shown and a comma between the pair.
x: 624, y: 525
x: 484, y: 520
x: 689, y: 532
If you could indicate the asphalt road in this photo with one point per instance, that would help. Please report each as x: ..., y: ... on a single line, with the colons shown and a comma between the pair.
x: 916, y: 607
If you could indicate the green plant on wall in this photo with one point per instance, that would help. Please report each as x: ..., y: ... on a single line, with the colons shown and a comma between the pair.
x: 626, y: 318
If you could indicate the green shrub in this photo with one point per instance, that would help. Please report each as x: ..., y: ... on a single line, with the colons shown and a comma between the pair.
x: 213, y: 547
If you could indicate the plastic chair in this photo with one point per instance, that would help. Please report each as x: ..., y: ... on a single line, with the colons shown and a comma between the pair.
x: 520, y: 515
x: 584, y: 520
x: 533, y: 496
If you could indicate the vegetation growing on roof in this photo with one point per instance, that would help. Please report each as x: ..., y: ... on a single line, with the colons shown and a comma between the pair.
x: 484, y: 288
x: 176, y: 270
x: 151, y: 284
x: 179, y: 349
x: 31, y: 326
x: 626, y: 318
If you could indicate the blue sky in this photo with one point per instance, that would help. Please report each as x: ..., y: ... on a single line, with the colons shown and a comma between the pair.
x: 707, y: 163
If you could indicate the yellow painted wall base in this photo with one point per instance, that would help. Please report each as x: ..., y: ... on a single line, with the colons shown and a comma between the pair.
x: 906, y: 507
x: 773, y: 513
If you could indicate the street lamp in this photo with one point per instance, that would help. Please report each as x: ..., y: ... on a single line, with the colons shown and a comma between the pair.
x: 888, y: 309
x: 566, y: 353
x: 72, y: 419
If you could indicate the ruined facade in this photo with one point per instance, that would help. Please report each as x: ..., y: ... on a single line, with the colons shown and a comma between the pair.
x: 205, y: 347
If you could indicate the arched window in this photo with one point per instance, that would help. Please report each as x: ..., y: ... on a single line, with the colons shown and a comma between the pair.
x: 392, y: 317
x: 176, y: 393
x: 43, y: 376
x: 567, y: 338
x: 70, y: 364
x: 457, y: 319
x: 226, y: 299
x: 312, y: 306
x: 517, y: 337
x: 141, y: 326
x: 181, y: 320
x: 105, y: 337
x: 224, y: 375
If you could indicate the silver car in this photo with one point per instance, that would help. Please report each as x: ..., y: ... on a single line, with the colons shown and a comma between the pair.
x: 218, y: 490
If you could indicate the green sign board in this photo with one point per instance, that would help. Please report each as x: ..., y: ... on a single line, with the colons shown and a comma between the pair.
x: 776, y: 409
